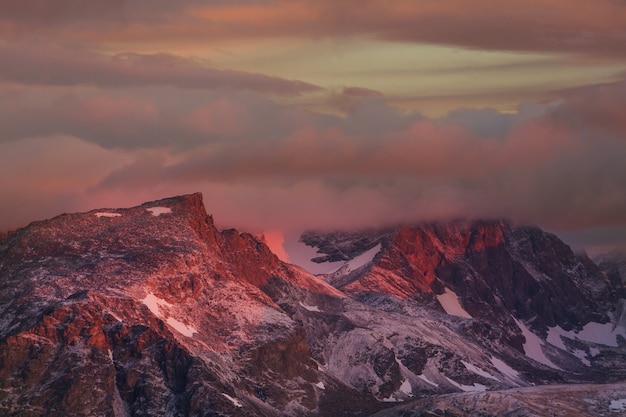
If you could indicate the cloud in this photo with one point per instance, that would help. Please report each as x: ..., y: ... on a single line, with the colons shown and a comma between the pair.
x: 43, y: 177
x: 52, y: 65
x: 145, y: 118
x: 349, y: 97
x: 541, y: 169
x: 36, y: 13
x: 82, y: 128
x: 597, y: 110
x: 265, y: 166
x: 577, y: 26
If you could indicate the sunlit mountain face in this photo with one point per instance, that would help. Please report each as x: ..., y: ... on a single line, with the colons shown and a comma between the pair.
x: 153, y: 310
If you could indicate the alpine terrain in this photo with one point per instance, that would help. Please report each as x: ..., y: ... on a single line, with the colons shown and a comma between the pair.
x: 153, y: 311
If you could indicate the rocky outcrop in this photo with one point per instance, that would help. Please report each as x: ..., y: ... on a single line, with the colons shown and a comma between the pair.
x: 343, y: 246
x: 147, y: 311
x: 613, y: 264
x: 496, y: 269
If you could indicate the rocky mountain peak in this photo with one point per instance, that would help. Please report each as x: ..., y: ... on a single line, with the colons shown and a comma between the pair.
x: 152, y: 311
x: 493, y: 266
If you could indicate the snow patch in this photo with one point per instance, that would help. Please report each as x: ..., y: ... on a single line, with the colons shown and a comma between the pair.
x: 618, y: 405
x: 406, y: 388
x: 555, y: 335
x: 235, y: 402
x: 300, y: 254
x: 472, y: 368
x: 105, y: 214
x: 468, y: 388
x: 115, y: 316
x: 603, y: 334
x: 361, y: 260
x: 582, y: 355
x: 504, y: 368
x: 532, y: 346
x: 390, y: 399
x: 320, y: 385
x: 155, y: 304
x: 403, y: 392
x: 428, y: 381
x: 310, y: 308
x: 450, y: 303
x: 157, y: 211
x: 181, y: 327
x: 120, y: 408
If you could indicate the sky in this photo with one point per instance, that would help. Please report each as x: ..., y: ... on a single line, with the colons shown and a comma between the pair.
x: 319, y: 114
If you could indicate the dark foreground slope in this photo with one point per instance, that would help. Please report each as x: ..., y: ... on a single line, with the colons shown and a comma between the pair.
x: 151, y: 311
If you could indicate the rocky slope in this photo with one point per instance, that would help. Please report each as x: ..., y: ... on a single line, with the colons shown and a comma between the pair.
x: 494, y: 268
x: 152, y: 311
x: 553, y: 401
x: 614, y: 265
x: 148, y: 311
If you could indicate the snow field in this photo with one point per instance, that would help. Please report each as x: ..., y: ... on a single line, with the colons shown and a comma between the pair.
x: 235, y: 402
x: 467, y: 388
x: 157, y: 211
x: 105, y: 214
x: 532, y: 346
x: 505, y: 369
x: 472, y: 368
x: 361, y: 260
x: 603, y: 334
x: 618, y: 405
x: 156, y: 304
x: 428, y: 381
x: 450, y: 303
x: 310, y: 308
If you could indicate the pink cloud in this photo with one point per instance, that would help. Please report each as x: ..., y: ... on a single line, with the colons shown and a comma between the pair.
x: 594, y: 28
x: 541, y: 171
x: 274, y: 167
x: 221, y: 117
x: 597, y: 109
x: 49, y: 64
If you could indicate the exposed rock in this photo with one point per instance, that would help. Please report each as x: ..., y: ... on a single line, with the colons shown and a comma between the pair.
x: 152, y: 311
x: 495, y: 269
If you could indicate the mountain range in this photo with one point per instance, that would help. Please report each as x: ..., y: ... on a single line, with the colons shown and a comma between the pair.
x: 153, y: 311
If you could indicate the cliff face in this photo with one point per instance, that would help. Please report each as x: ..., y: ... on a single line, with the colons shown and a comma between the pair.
x: 496, y: 269
x: 152, y: 311
x: 145, y: 310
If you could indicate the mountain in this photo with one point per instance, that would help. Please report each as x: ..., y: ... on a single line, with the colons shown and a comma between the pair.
x: 153, y: 311
x: 494, y: 268
x: 614, y: 266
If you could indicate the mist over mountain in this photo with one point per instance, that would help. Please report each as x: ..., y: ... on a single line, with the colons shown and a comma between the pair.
x: 153, y: 311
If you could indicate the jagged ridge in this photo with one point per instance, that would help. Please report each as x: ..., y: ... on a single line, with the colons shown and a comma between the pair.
x: 152, y: 311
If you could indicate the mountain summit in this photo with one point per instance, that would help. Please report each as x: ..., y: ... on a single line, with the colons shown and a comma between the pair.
x: 152, y: 311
